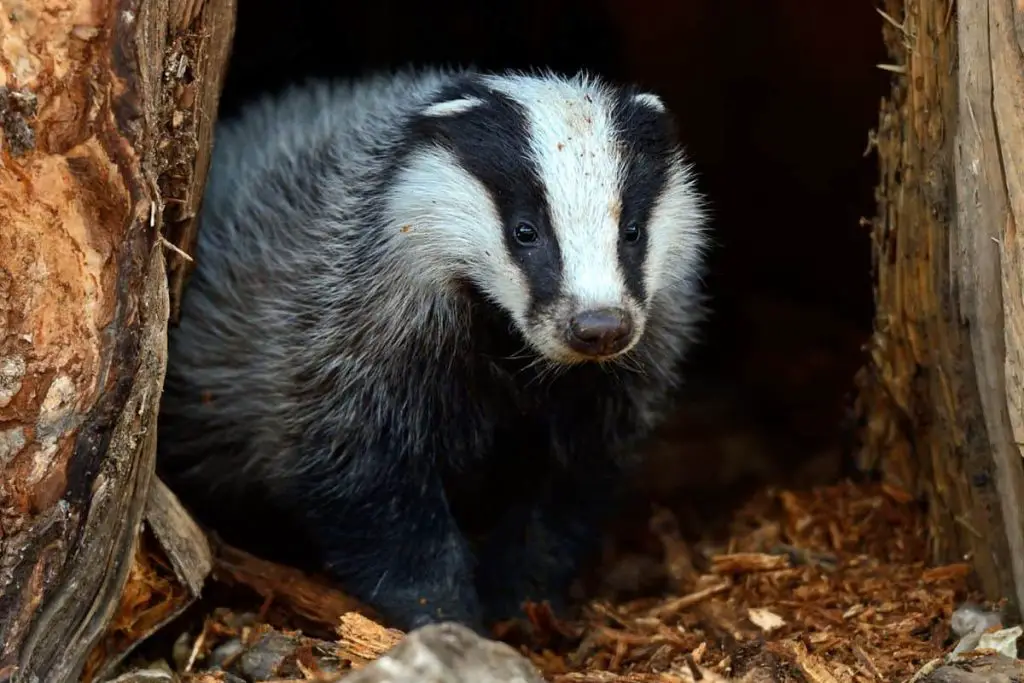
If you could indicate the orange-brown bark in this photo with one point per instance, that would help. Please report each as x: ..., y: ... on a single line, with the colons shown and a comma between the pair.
x: 83, y: 307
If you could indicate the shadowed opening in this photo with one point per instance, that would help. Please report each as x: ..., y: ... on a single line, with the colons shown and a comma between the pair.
x: 774, y: 101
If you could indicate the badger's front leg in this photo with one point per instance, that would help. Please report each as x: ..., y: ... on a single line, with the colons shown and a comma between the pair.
x: 387, y: 536
x: 541, y: 545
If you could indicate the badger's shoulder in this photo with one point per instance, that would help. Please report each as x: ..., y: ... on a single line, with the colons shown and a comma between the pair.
x: 346, y: 127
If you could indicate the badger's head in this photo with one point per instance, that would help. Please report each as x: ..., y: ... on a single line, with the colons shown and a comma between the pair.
x: 566, y: 201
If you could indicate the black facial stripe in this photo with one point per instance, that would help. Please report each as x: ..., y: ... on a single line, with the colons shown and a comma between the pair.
x: 648, y: 140
x: 492, y: 142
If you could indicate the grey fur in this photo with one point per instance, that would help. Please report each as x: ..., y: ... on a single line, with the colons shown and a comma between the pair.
x: 304, y: 335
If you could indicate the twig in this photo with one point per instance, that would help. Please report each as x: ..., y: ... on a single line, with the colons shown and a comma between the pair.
x: 173, y: 247
x: 901, y: 27
x: 310, y: 598
x: 197, y: 647
x: 687, y: 601
x: 864, y: 659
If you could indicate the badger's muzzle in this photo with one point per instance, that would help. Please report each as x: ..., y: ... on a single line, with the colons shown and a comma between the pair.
x: 600, y: 332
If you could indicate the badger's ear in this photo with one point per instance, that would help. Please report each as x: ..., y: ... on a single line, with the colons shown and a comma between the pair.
x: 649, y: 99
x: 454, y: 107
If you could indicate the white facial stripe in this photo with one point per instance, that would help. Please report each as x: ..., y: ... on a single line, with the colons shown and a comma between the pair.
x: 448, y: 221
x: 453, y: 107
x: 574, y: 149
x: 650, y: 100
x: 676, y: 230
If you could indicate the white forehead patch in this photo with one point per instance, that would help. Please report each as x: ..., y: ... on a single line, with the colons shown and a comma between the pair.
x: 453, y: 107
x: 651, y: 100
x: 574, y: 147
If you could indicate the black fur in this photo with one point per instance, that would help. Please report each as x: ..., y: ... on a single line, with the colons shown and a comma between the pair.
x: 492, y: 142
x: 650, y: 138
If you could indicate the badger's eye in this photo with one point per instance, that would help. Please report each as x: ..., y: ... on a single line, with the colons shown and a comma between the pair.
x: 631, y: 233
x: 525, y: 233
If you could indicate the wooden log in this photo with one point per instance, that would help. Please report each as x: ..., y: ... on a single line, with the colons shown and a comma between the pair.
x: 87, y: 93
x: 941, y: 397
x: 990, y: 205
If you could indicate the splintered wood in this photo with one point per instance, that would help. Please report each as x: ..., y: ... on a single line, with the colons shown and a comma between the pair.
x: 150, y: 598
x: 824, y: 586
x: 363, y: 640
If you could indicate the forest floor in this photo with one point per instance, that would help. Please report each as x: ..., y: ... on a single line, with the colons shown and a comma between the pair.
x: 828, y: 584
x: 712, y: 574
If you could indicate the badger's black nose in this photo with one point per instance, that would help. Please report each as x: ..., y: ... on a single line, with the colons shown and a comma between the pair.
x: 600, y: 332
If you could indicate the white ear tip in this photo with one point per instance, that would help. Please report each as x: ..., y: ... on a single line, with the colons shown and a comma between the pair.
x: 649, y: 99
x: 453, y: 107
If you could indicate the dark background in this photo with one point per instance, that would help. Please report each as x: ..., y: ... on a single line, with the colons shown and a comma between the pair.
x: 775, y: 101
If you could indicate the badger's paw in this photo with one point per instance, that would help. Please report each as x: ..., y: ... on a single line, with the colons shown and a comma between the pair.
x: 514, y: 569
x: 410, y: 605
x: 509, y: 603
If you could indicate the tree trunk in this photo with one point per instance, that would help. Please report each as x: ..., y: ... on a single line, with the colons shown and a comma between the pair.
x: 105, y: 108
x: 989, y: 165
x: 942, y: 396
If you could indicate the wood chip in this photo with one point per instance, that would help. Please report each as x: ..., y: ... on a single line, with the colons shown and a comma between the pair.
x: 764, y: 619
x: 874, y: 612
x: 811, y: 665
x: 362, y: 640
x: 745, y: 563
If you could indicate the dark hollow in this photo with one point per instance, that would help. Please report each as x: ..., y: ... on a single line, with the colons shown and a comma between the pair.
x: 774, y: 99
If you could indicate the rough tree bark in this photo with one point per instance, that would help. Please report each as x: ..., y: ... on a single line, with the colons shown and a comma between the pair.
x: 942, y: 397
x: 990, y: 205
x: 103, y: 108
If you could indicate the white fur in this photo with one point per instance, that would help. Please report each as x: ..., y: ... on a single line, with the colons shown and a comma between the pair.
x: 449, y: 226
x: 651, y: 100
x: 453, y: 107
x: 676, y: 229
x: 574, y: 149
x: 453, y: 227
x: 582, y: 169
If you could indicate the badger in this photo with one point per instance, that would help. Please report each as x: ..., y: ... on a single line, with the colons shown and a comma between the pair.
x: 434, y: 313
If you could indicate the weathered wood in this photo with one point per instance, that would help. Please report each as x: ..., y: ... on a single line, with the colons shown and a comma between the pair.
x: 310, y: 598
x: 184, y: 542
x: 933, y: 396
x: 990, y: 204
x: 83, y: 304
x: 196, y: 59
x: 270, y: 655
x: 151, y: 599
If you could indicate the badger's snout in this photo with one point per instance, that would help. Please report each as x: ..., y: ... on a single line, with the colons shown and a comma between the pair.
x: 600, y: 332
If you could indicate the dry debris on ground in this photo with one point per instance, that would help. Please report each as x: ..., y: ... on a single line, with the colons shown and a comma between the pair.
x: 821, y: 586
x: 828, y: 585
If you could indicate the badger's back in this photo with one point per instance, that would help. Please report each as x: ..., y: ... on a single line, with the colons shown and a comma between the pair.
x: 272, y: 238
